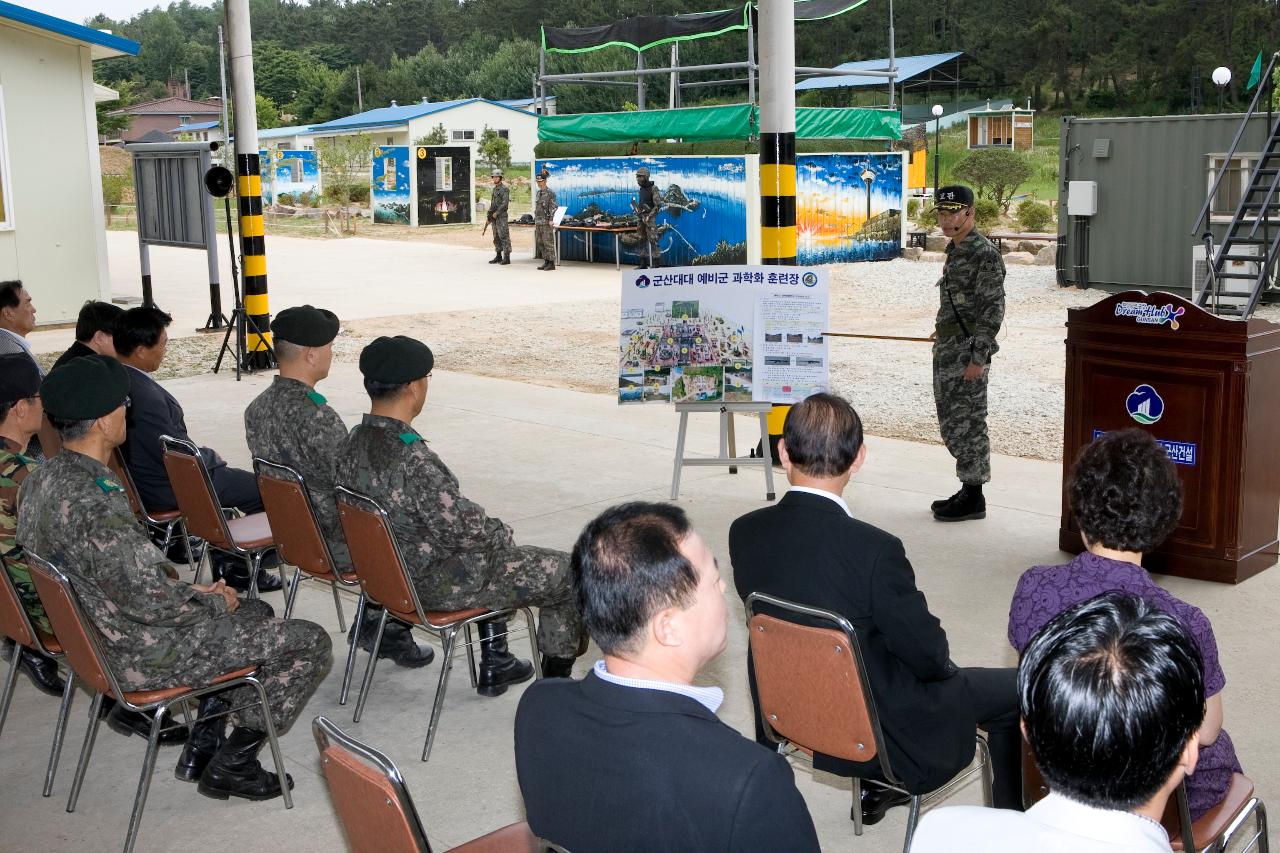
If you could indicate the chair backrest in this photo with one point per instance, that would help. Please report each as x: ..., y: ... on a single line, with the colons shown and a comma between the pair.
x: 195, y: 493
x: 369, y: 794
x: 116, y: 463
x: 293, y: 518
x: 809, y: 681
x: 375, y: 554
x: 75, y: 632
x: 14, y: 622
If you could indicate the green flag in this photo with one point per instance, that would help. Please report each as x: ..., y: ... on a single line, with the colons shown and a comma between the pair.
x: 1256, y: 74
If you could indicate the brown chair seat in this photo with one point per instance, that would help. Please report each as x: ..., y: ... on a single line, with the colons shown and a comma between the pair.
x: 50, y: 642
x: 1215, y: 821
x: 146, y: 697
x: 251, y: 531
x: 515, y: 838
x: 166, y: 515
x: 441, y: 618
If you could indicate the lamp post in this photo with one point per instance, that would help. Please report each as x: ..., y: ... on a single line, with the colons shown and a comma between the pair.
x: 1221, y: 77
x: 937, y: 140
x: 867, y: 177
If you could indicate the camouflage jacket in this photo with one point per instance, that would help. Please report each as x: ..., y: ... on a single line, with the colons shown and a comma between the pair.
x: 74, y: 513
x: 973, y: 275
x: 544, y: 207
x: 499, y: 202
x: 447, y: 540
x: 14, y: 469
x: 293, y: 424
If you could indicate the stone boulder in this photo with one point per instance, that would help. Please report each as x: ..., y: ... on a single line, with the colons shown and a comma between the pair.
x: 1031, y: 246
x: 1019, y: 258
x: 912, y: 253
x: 935, y: 243
x: 937, y: 257
x: 1047, y: 257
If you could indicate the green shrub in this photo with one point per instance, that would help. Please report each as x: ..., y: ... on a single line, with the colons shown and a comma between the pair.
x: 285, y: 198
x: 986, y: 213
x: 1034, y: 216
x: 913, y: 207
x: 929, y: 217
x: 995, y: 173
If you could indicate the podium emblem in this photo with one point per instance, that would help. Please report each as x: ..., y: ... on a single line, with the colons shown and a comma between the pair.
x: 1144, y: 405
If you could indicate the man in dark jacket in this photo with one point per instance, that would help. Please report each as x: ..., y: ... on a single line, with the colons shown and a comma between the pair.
x: 95, y: 326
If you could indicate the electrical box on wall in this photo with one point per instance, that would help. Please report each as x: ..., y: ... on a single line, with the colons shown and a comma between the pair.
x: 1082, y: 198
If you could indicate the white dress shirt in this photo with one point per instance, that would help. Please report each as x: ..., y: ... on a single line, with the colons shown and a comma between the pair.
x: 708, y: 697
x: 1056, y: 824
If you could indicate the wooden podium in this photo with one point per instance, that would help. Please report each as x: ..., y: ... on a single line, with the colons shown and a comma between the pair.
x: 1208, y: 389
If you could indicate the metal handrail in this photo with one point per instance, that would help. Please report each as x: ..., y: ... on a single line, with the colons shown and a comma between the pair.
x: 1264, y: 84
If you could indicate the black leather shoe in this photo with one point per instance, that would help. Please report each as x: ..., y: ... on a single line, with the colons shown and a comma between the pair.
x: 937, y: 505
x: 207, y: 737
x: 235, y: 771
x: 397, y: 646
x: 966, y: 506
x: 557, y: 667
x: 43, y: 672
x: 498, y: 667
x: 236, y: 574
x: 876, y: 801
x: 128, y: 723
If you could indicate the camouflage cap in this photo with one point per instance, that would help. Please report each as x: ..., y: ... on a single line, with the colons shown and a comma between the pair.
x: 954, y: 197
x: 396, y: 361
x: 305, y: 326
x: 85, y: 388
x: 495, y: 173
x: 19, y: 378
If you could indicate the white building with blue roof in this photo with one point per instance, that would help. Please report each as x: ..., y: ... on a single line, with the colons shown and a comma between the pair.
x: 52, y: 230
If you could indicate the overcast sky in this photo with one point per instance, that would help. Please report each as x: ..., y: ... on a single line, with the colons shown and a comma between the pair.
x: 79, y: 10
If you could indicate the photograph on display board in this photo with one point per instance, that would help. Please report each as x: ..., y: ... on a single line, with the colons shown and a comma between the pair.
x: 290, y: 178
x: 848, y: 207
x: 390, y: 189
x: 701, y: 217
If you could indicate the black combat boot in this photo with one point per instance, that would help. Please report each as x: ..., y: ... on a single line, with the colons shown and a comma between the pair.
x: 207, y: 737
x: 549, y: 266
x: 557, y: 667
x: 937, y: 505
x: 397, y: 640
x: 233, y: 570
x: 498, y: 667
x: 125, y: 722
x: 967, y: 505
x: 497, y: 257
x: 506, y: 257
x: 236, y: 772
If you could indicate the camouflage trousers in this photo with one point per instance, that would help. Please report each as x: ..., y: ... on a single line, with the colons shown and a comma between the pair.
x: 647, y: 248
x: 21, y: 577
x: 501, y: 234
x: 544, y: 236
x: 292, y: 658
x: 962, y: 410
x: 524, y: 576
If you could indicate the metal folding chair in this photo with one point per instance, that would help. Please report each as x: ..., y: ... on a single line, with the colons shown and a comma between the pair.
x: 86, y: 658
x: 165, y: 523
x: 384, y: 575
x: 302, y: 545
x: 813, y: 693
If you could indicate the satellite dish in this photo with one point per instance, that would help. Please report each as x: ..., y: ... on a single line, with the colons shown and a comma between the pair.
x: 218, y: 181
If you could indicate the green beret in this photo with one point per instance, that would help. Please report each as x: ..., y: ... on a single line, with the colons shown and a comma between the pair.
x: 305, y: 326
x: 85, y: 388
x: 396, y: 361
x: 19, y: 378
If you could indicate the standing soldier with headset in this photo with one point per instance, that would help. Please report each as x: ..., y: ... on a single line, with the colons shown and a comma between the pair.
x: 544, y: 232
x: 498, y: 218
x: 971, y: 309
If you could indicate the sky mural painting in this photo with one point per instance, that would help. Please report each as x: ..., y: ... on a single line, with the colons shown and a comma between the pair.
x: 848, y: 207
x: 290, y: 177
x: 390, y: 185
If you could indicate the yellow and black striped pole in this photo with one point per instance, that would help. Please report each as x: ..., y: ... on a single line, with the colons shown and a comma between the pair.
x: 777, y: 132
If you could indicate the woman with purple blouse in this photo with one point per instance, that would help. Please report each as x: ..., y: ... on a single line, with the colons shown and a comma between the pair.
x: 1126, y: 498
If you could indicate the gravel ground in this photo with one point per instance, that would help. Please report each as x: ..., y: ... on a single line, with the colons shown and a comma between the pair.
x: 888, y: 382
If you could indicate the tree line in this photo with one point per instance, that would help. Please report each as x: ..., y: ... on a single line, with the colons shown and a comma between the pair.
x: 1085, y: 56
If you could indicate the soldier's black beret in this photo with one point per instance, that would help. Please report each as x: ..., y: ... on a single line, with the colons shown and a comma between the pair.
x: 19, y: 378
x: 954, y: 197
x: 396, y: 361
x: 305, y: 326
x: 85, y: 388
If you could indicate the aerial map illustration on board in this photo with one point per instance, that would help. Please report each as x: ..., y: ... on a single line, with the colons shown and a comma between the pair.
x: 683, y: 352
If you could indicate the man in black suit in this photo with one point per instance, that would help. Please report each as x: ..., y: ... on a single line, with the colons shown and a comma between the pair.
x: 811, y: 550
x: 633, y: 758
x: 95, y: 326
x: 141, y: 338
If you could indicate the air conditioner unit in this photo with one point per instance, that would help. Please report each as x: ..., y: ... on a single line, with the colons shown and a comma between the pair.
x: 1200, y: 269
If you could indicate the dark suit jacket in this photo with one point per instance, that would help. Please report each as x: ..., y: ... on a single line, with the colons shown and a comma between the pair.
x: 76, y: 350
x: 807, y: 550
x: 154, y: 412
x: 615, y: 769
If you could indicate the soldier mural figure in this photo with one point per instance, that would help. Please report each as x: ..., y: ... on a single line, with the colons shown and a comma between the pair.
x: 498, y: 219
x: 544, y: 232
x: 158, y: 632
x: 647, y: 205
x: 970, y: 311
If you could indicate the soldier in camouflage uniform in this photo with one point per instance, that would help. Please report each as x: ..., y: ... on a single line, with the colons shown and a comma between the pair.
x: 544, y: 232
x: 497, y: 217
x: 156, y: 631
x: 292, y: 423
x: 20, y: 417
x: 647, y: 206
x: 457, y: 554
x: 971, y: 309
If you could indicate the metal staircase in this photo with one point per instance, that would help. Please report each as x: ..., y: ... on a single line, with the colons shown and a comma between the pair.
x: 1253, y: 235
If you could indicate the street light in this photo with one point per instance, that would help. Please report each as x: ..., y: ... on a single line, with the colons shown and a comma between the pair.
x: 1221, y: 77
x: 867, y: 177
x: 937, y: 138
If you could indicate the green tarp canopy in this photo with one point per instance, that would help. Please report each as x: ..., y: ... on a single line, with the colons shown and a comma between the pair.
x: 734, y: 121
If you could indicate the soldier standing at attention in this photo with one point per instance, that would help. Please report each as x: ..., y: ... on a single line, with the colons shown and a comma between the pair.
x: 497, y: 217
x: 647, y: 210
x: 458, y: 555
x: 544, y: 232
x: 293, y: 424
x: 158, y: 632
x: 971, y: 309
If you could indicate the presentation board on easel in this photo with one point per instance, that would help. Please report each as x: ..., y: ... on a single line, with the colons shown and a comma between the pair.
x: 723, y: 334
